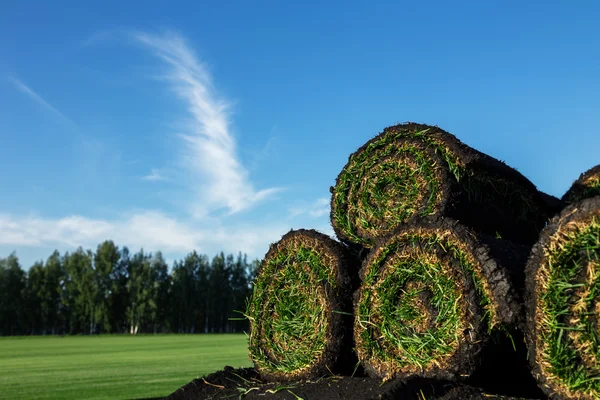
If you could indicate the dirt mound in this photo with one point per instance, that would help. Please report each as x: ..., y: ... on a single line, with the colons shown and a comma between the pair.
x: 245, y: 383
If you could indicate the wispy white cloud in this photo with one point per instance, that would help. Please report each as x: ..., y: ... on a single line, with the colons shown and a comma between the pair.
x: 320, y: 208
x: 316, y: 209
x: 151, y: 230
x: 36, y: 231
x: 218, y: 180
x: 40, y: 100
x: 154, y: 175
x: 208, y: 146
x: 148, y: 229
x: 259, y: 155
x: 102, y: 36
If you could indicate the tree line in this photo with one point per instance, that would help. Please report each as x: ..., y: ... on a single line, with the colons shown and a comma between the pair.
x: 114, y: 291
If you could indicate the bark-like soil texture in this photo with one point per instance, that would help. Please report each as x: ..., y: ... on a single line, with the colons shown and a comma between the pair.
x: 563, y: 303
x: 588, y: 185
x: 553, y: 205
x: 301, y: 310
x: 412, y: 170
x: 246, y: 384
x: 431, y: 294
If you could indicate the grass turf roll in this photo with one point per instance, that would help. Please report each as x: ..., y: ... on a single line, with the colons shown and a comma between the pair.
x: 431, y: 294
x: 553, y: 205
x: 301, y: 309
x: 588, y: 185
x: 411, y: 170
x: 563, y: 303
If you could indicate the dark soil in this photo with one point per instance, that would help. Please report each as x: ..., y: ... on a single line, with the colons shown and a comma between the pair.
x: 554, y: 205
x: 245, y: 383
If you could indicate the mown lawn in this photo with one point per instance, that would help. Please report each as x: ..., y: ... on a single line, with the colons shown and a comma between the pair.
x: 112, y: 366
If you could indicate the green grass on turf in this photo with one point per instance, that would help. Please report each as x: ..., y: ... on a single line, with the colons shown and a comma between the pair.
x: 289, y: 312
x: 112, y: 366
x: 567, y: 311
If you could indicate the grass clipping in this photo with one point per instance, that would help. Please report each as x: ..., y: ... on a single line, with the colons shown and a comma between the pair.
x: 588, y: 185
x: 410, y: 171
x: 431, y: 294
x: 563, y: 280
x: 301, y: 310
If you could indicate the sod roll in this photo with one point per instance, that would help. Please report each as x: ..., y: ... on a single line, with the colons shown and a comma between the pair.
x: 410, y: 171
x: 553, y: 205
x: 431, y: 294
x: 301, y: 309
x: 588, y: 185
x: 563, y: 303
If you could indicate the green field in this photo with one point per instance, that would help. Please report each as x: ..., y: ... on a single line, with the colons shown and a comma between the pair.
x: 112, y: 366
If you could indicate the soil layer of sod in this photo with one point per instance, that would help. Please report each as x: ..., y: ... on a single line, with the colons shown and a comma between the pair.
x: 563, y: 303
x: 246, y: 384
x: 301, y: 309
x: 433, y: 294
x: 588, y: 185
x: 410, y: 171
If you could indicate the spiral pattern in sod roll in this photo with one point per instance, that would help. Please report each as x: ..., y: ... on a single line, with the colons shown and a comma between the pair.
x: 411, y: 170
x: 427, y: 304
x: 587, y: 185
x: 563, y: 280
x: 300, y: 311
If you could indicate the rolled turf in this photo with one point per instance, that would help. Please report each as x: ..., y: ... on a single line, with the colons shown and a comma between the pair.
x: 563, y: 303
x: 412, y: 170
x: 301, y: 309
x: 431, y: 294
x: 588, y: 185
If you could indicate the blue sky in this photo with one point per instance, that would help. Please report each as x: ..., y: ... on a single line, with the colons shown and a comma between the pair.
x: 221, y: 125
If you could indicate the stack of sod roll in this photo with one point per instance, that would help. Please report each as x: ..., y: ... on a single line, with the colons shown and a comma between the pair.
x: 435, y: 239
x: 440, y: 275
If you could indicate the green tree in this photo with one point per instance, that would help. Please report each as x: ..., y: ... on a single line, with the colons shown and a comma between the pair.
x: 120, y: 296
x: 160, y: 292
x: 240, y: 290
x: 12, y: 286
x: 186, y: 297
x: 106, y: 260
x: 201, y: 275
x: 36, y: 305
x: 82, y: 290
x: 220, y: 292
x: 54, y: 284
x: 111, y: 291
x: 140, y: 290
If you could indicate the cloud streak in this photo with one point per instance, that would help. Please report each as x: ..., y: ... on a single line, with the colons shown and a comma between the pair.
x: 154, y: 176
x: 40, y: 100
x: 317, y: 209
x: 151, y: 230
x: 213, y: 176
x: 208, y: 146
